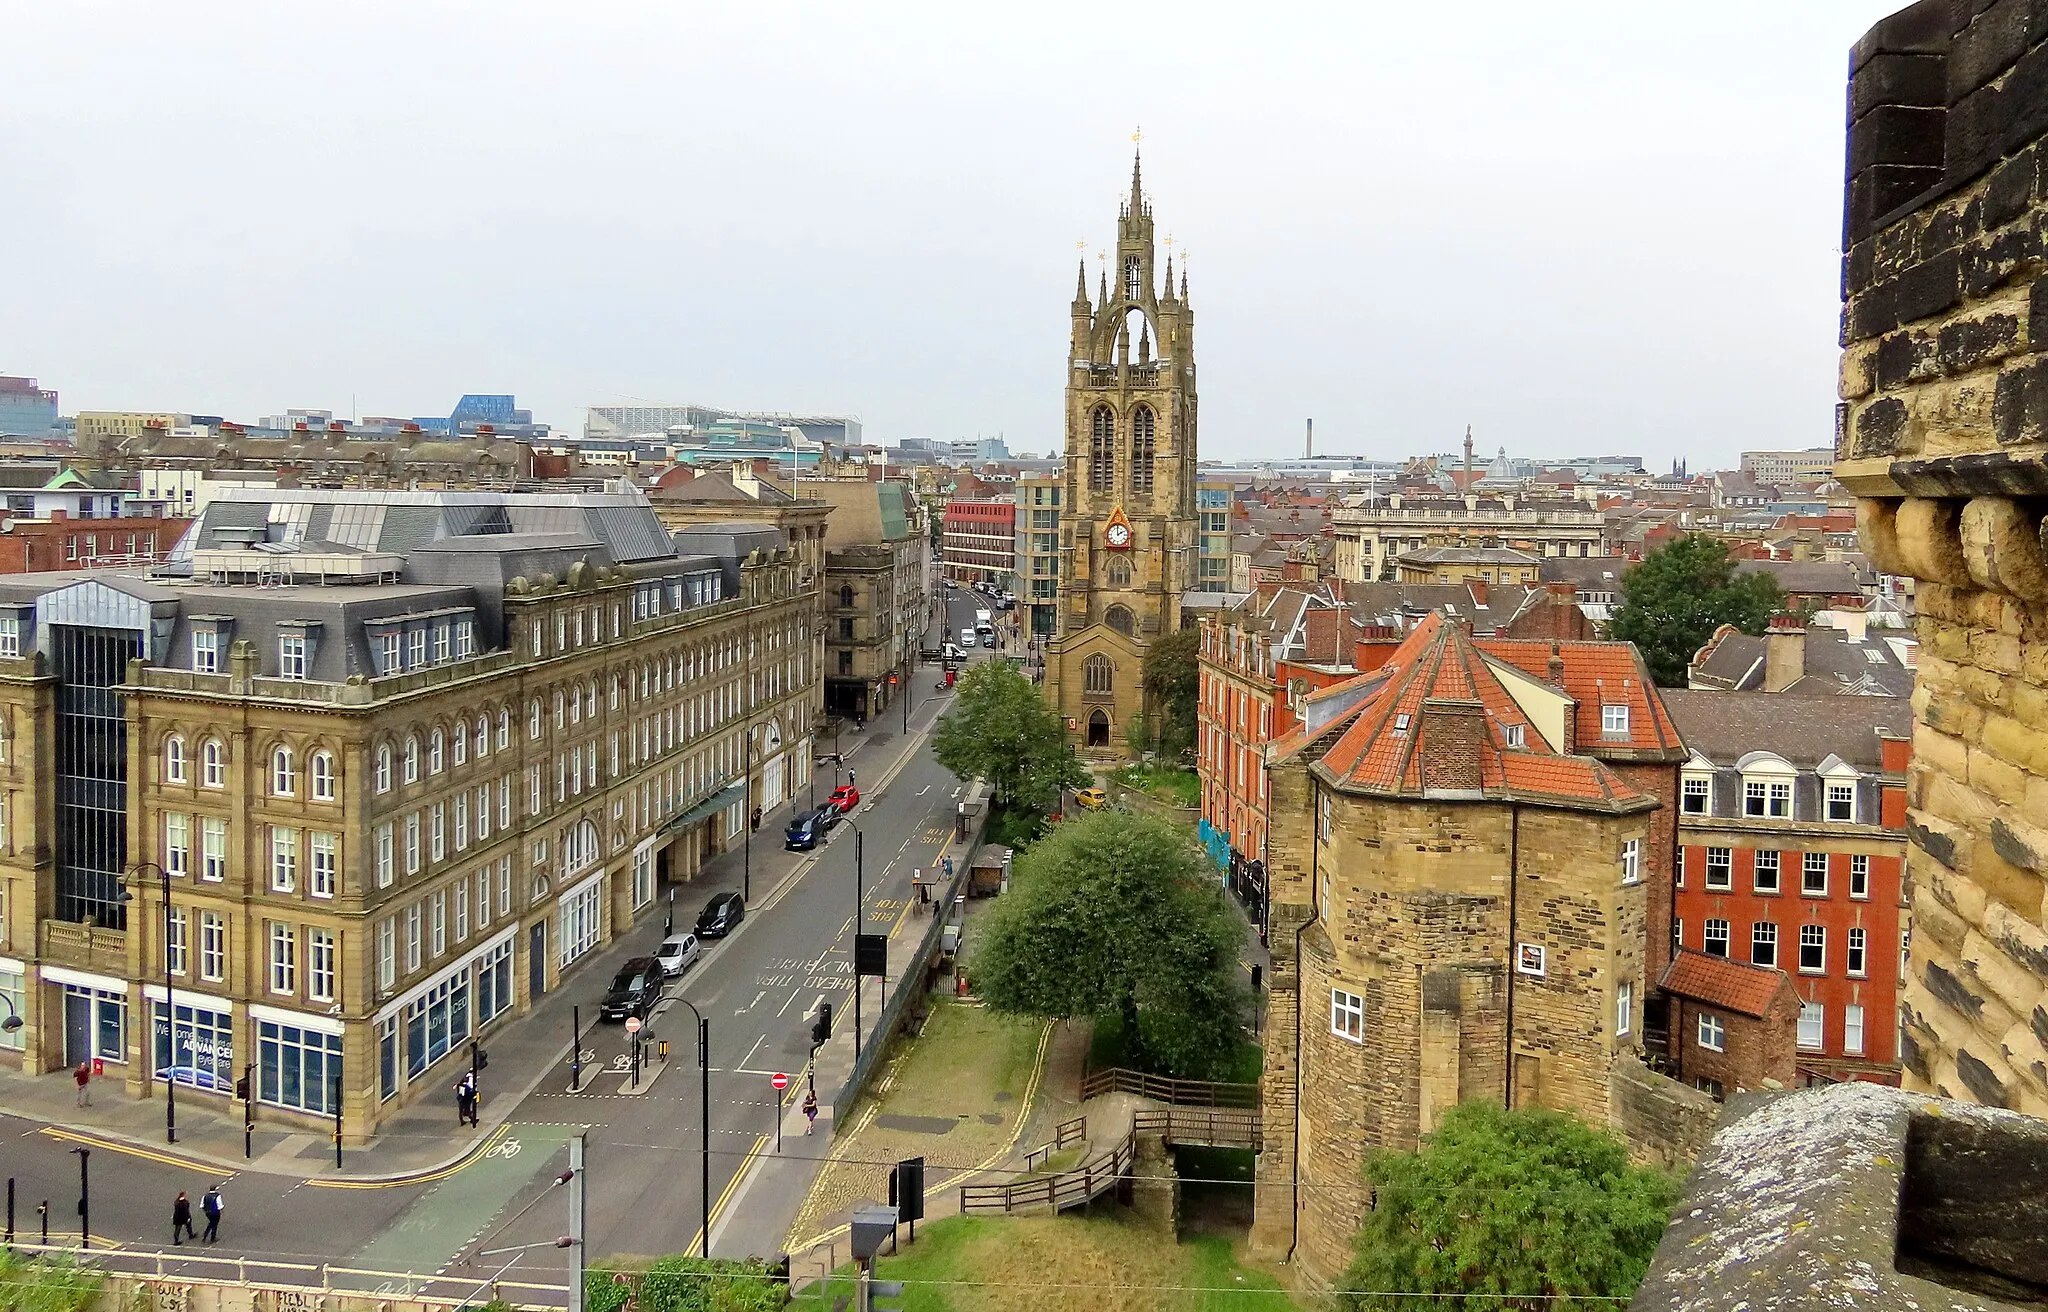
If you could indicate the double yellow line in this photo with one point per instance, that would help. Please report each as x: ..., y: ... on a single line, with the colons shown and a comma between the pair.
x: 193, y: 1164
x: 490, y: 1141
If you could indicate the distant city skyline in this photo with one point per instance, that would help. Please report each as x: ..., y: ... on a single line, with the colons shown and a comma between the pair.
x: 1601, y: 228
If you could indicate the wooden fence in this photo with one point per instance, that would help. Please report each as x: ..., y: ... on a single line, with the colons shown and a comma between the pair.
x: 1064, y: 1135
x: 1083, y: 1184
x: 1178, y: 1093
x: 1207, y: 1127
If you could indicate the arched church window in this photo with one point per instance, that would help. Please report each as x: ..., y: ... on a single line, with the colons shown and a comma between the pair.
x: 1142, y: 425
x: 1119, y: 618
x: 1102, y: 451
x: 846, y: 595
x: 1131, y: 284
x: 1119, y: 572
x: 1098, y: 674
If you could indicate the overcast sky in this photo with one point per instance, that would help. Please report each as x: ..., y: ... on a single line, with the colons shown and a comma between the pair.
x: 1578, y: 227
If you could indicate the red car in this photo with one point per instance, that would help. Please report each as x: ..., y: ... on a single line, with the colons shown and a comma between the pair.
x: 844, y: 798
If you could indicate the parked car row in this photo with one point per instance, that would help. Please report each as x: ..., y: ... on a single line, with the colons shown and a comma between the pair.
x: 636, y: 988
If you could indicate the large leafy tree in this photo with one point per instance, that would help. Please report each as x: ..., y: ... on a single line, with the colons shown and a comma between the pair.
x: 1001, y: 729
x: 1172, y: 676
x: 1499, y: 1209
x: 1115, y: 915
x: 1680, y: 593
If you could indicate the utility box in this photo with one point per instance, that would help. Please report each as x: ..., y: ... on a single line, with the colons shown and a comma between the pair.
x: 872, y: 1223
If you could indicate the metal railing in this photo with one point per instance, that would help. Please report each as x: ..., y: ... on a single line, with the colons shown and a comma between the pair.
x: 451, y: 1291
x: 1082, y: 1185
x: 1179, y: 1093
x: 1205, y: 1127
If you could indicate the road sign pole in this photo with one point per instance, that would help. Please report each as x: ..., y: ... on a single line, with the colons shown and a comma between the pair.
x: 781, y: 1082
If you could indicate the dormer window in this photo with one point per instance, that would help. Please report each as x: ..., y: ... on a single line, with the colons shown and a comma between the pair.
x: 1695, y: 794
x: 416, y: 648
x: 1515, y: 735
x: 1614, y: 721
x: 1842, y: 802
x: 391, y: 656
x: 291, y: 656
x: 1401, y: 723
x: 205, y: 651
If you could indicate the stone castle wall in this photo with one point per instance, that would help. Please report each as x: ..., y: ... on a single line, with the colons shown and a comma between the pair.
x: 1942, y: 433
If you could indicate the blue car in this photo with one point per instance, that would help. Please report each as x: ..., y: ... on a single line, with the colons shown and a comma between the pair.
x: 809, y: 829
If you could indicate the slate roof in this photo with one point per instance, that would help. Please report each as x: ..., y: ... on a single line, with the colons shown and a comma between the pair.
x: 1382, y: 743
x: 1834, y: 664
x: 1468, y: 556
x: 1807, y: 577
x: 1736, y: 986
x: 1805, y: 730
x: 1401, y: 604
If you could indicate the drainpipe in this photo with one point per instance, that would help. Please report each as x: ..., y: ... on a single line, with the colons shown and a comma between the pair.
x: 1514, y: 878
x: 1315, y: 852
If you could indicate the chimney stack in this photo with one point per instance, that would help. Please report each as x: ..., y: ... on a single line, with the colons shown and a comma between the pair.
x: 1309, y: 449
x: 1784, y: 653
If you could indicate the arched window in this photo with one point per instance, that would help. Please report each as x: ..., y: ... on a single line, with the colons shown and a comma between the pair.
x: 412, y: 758
x: 533, y: 718
x: 590, y: 699
x: 1119, y: 571
x: 383, y: 767
x: 437, y: 746
x: 1133, y: 282
x: 174, y: 760
x: 459, y: 742
x: 846, y: 595
x: 1102, y: 451
x: 1098, y: 674
x: 579, y: 848
x: 213, y: 764
x: 284, y: 773
x: 1142, y: 425
x: 1119, y: 618
x: 504, y: 730
x: 323, y: 776
x: 483, y: 737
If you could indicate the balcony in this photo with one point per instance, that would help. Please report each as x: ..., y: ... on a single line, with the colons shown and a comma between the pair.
x: 82, y: 947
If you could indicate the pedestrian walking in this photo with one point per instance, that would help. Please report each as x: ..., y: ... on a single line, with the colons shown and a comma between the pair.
x: 84, y: 1077
x: 181, y: 1219
x: 810, y: 1110
x: 212, y: 1205
x: 469, y: 1098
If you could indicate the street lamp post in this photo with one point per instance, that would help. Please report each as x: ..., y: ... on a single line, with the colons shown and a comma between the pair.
x: 704, y: 1128
x: 131, y: 882
x: 747, y: 814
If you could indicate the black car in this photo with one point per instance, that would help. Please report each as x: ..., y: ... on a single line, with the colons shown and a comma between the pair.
x: 808, y: 829
x: 634, y: 990
x: 721, y: 915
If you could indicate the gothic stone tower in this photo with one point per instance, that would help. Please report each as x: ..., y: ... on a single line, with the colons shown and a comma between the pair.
x: 1129, y: 518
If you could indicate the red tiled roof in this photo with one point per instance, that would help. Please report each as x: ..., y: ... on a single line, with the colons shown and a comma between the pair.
x: 1597, y: 673
x: 1385, y: 743
x: 1722, y: 982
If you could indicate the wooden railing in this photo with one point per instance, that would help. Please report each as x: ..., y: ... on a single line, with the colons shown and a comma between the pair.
x: 1206, y: 1127
x: 1083, y: 1184
x: 1064, y: 1135
x: 1179, y: 1093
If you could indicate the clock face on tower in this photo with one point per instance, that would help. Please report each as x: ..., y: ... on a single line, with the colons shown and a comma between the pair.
x: 1117, y: 534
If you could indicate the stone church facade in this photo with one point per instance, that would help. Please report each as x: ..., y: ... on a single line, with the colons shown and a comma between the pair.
x: 1128, y: 533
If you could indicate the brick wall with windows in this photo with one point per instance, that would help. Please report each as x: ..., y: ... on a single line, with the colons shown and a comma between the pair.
x: 1791, y: 855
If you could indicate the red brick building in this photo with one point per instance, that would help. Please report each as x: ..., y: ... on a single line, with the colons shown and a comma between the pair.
x: 978, y: 541
x: 1732, y: 1024
x: 1791, y: 830
x: 30, y: 546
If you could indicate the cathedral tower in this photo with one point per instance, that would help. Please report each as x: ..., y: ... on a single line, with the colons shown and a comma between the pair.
x: 1128, y: 528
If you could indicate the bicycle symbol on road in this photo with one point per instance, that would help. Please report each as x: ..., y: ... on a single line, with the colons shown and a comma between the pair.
x: 506, y: 1150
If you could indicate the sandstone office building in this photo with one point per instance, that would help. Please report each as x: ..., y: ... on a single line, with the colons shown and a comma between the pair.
x: 409, y: 758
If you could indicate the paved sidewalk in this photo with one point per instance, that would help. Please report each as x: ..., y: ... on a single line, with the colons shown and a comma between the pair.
x: 422, y: 1138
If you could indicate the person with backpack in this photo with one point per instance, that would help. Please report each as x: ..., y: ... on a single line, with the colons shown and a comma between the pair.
x: 211, y: 1206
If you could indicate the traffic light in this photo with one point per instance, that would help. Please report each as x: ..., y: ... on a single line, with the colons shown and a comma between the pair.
x: 242, y: 1088
x: 821, y: 1027
x: 871, y: 954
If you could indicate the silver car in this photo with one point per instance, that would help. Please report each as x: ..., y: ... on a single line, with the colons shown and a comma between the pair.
x: 676, y: 953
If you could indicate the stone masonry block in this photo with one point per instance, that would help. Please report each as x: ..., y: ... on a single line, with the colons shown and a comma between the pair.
x: 1879, y: 429
x: 2029, y: 700
x: 1935, y: 750
x: 1997, y: 779
x: 1998, y: 652
x: 2022, y: 1051
x: 1952, y: 715
x: 1859, y: 364
x: 2013, y: 986
x: 2023, y: 744
x: 1957, y: 802
x: 1959, y: 895
x: 2002, y: 881
x: 2023, y: 843
x: 1989, y: 1080
x: 2002, y: 550
x: 1984, y: 688
x: 2018, y: 934
x: 1877, y: 533
x: 2035, y: 808
x: 1936, y: 924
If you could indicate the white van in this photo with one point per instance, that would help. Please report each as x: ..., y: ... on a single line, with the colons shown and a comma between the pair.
x: 967, y: 638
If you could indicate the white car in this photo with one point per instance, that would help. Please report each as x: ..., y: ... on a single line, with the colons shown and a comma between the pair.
x: 676, y: 953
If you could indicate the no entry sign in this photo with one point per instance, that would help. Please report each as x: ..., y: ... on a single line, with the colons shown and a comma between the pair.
x: 633, y: 1024
x: 779, y: 1080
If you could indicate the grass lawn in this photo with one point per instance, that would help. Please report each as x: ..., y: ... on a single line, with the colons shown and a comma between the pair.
x: 965, y: 1077
x: 1168, y: 783
x: 1094, y: 1263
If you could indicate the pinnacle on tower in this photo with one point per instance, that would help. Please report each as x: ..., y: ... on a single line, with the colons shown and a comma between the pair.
x: 1105, y: 288
x: 1169, y: 275
x: 1137, y: 183
x: 1145, y: 343
x: 1081, y: 282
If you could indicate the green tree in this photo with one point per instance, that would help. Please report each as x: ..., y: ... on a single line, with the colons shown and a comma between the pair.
x: 1116, y: 915
x: 1001, y: 729
x: 1524, y: 1209
x: 1680, y: 593
x: 1173, y: 678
